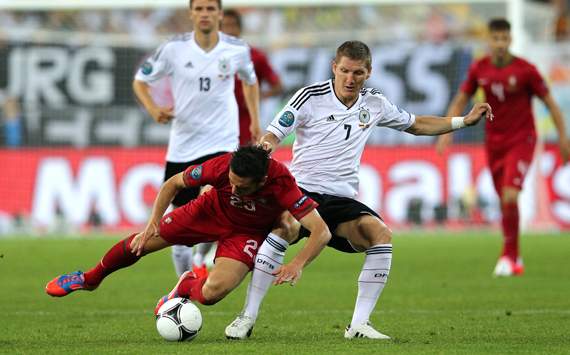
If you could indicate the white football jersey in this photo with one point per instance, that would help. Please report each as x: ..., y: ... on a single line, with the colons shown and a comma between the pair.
x: 205, y: 109
x: 330, y: 137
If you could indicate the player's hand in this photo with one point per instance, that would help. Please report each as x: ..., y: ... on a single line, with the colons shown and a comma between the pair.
x: 564, y: 149
x: 443, y: 142
x: 162, y: 114
x: 288, y: 273
x: 267, y: 146
x: 139, y: 241
x: 255, y: 131
x: 478, y: 111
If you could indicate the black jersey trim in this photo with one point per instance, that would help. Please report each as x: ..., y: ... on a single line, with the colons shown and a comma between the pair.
x: 307, y: 90
x: 319, y: 93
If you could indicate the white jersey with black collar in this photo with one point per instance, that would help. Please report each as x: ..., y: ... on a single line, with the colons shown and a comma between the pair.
x: 206, y: 114
x: 330, y: 137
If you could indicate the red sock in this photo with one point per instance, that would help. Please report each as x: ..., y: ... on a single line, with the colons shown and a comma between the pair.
x: 118, y: 257
x: 510, y: 224
x: 191, y: 287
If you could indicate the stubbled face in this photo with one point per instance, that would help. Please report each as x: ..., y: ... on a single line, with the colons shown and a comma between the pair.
x: 230, y: 26
x: 243, y: 186
x: 499, y: 43
x: 205, y: 15
x: 349, y: 78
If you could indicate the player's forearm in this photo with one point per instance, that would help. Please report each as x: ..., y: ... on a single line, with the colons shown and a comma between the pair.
x: 142, y: 92
x: 558, y: 120
x: 165, y: 196
x: 316, y: 242
x: 431, y: 126
x: 251, y: 95
x: 457, y: 105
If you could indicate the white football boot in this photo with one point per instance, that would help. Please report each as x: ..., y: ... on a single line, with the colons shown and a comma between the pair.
x: 506, y: 267
x: 240, y: 328
x: 364, y: 330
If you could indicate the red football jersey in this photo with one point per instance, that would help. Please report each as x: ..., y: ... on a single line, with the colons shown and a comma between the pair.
x: 509, y: 91
x: 255, y: 213
x: 265, y: 73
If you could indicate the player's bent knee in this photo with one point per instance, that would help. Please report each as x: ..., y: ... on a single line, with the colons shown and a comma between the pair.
x: 374, y: 231
x: 509, y: 196
x: 213, y: 293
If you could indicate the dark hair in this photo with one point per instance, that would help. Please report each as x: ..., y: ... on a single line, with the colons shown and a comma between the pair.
x: 499, y: 24
x: 354, y: 50
x: 219, y: 3
x: 235, y: 14
x: 250, y: 162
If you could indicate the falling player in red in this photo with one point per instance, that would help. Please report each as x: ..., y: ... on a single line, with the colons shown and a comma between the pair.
x: 509, y: 83
x: 250, y: 191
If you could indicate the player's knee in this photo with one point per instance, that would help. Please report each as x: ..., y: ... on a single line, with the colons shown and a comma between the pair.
x: 509, y: 196
x: 374, y: 231
x: 214, y: 291
x: 288, y: 228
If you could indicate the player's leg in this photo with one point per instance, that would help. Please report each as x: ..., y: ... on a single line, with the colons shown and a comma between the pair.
x: 269, y: 258
x: 517, y: 161
x: 181, y: 254
x: 369, y: 234
x: 234, y: 259
x: 118, y: 257
x: 181, y: 258
x: 199, y: 258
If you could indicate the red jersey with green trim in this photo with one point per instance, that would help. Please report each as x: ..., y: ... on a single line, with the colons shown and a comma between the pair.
x: 509, y: 91
x: 254, y: 213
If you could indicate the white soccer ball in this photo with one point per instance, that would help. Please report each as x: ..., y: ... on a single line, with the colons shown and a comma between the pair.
x: 178, y: 319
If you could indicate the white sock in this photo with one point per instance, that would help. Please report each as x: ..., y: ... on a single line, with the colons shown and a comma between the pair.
x: 182, y: 258
x: 371, y: 281
x: 200, y: 253
x: 269, y: 257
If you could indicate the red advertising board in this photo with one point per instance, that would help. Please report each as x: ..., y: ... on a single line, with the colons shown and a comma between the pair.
x: 119, y: 184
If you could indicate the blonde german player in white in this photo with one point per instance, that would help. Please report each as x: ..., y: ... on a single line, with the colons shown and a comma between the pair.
x: 332, y: 121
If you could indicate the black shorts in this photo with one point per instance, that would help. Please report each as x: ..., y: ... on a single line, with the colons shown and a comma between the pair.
x: 335, y: 210
x: 186, y: 195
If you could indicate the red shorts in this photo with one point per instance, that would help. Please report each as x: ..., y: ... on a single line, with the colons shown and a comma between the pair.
x: 509, y: 165
x: 190, y: 225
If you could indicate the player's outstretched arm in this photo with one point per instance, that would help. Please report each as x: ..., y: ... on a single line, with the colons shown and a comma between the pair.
x: 320, y: 236
x: 165, y: 195
x: 269, y: 142
x: 558, y: 120
x: 251, y: 95
x: 159, y: 114
x: 455, y: 109
x: 433, y: 125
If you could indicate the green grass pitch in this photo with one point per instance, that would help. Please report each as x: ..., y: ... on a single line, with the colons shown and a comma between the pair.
x: 440, y: 299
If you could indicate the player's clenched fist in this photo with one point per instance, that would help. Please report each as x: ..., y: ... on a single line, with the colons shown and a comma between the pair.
x: 162, y: 114
x: 478, y: 111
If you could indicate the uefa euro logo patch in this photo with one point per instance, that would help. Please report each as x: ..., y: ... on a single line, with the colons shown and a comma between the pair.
x: 287, y: 119
x: 146, y: 68
x: 196, y: 172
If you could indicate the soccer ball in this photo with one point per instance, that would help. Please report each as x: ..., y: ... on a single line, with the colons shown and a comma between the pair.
x: 178, y: 319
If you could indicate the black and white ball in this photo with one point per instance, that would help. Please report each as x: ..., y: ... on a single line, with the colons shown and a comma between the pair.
x: 178, y: 319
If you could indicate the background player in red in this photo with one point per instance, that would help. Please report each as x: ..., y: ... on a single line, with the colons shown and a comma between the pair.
x: 250, y: 191
x: 231, y: 25
x: 509, y: 82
